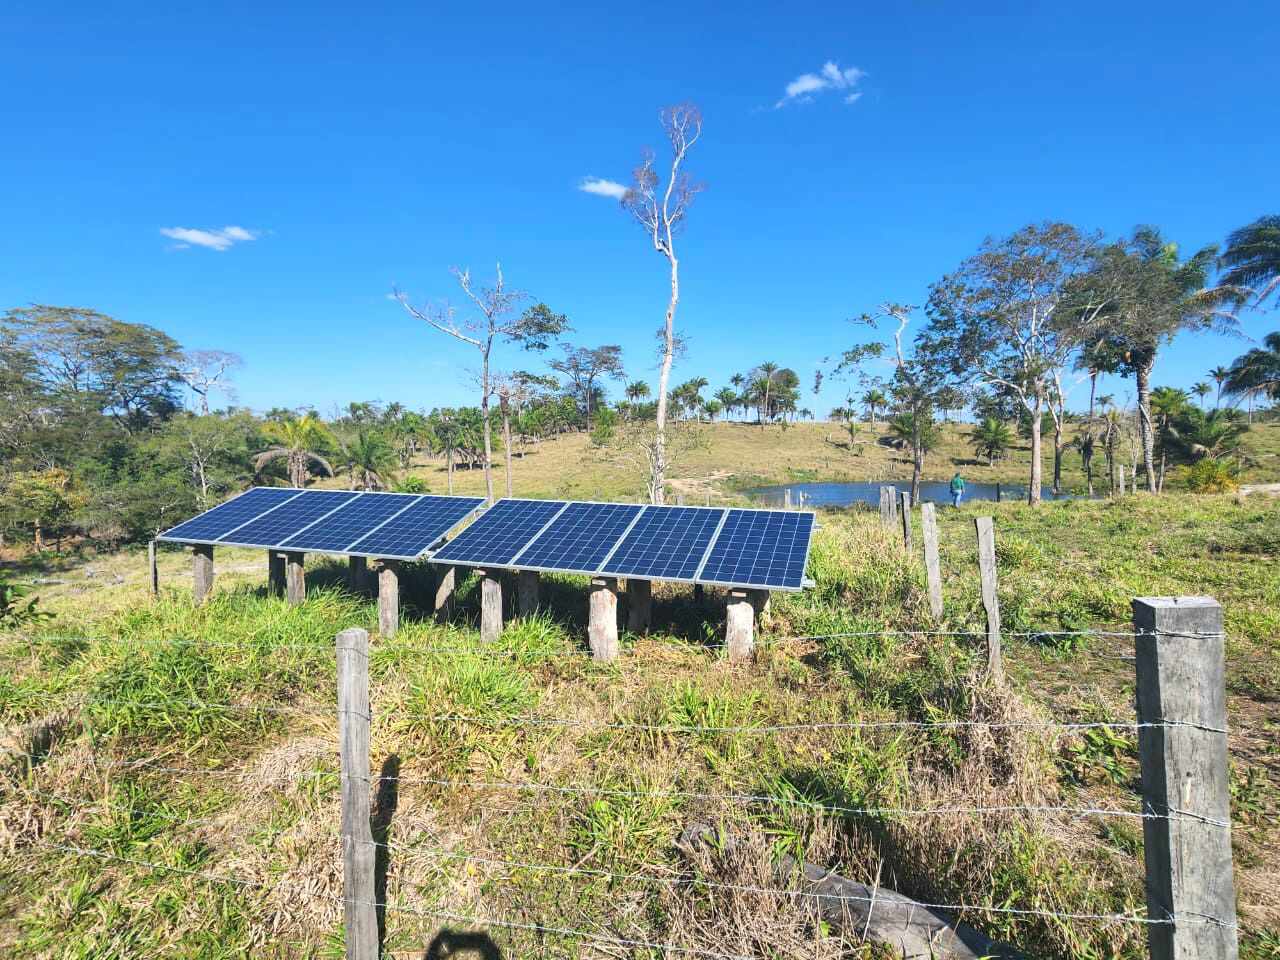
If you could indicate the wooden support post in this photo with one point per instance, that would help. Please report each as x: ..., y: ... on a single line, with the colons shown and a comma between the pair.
x: 999, y: 496
x: 698, y: 593
x: 602, y: 619
x: 388, y: 597
x: 490, y: 606
x: 295, y: 580
x: 1120, y: 471
x: 639, y: 605
x: 201, y: 572
x: 358, y: 852
x: 527, y: 592
x: 990, y: 599
x: 153, y: 569
x: 357, y: 574
x: 932, y: 566
x: 1182, y: 694
x: 739, y: 624
x: 275, y: 573
x: 906, y: 520
x: 443, y: 603
x: 760, y: 601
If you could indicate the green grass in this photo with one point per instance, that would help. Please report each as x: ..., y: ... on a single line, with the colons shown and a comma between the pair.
x: 119, y: 679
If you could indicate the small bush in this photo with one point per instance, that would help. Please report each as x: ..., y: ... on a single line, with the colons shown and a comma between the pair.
x: 1210, y: 476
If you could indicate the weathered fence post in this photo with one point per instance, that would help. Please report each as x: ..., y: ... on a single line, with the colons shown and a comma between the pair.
x: 527, y: 592
x: 990, y: 599
x: 358, y: 853
x: 999, y: 494
x: 602, y: 618
x: 490, y: 606
x: 388, y: 597
x: 932, y: 567
x: 201, y: 572
x: 906, y: 520
x: 153, y: 569
x: 1120, y: 468
x: 1185, y: 779
x: 639, y: 605
x: 295, y: 578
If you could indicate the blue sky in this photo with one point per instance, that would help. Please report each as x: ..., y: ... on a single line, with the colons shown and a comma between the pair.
x: 376, y: 145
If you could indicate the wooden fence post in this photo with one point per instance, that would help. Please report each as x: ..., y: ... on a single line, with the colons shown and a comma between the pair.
x: 358, y: 853
x: 932, y: 567
x: 1120, y: 468
x: 201, y: 572
x: 990, y: 599
x: 999, y: 494
x: 1185, y: 779
x: 906, y: 520
x: 153, y: 568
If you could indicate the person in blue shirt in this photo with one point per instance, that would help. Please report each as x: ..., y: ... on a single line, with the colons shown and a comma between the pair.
x: 957, y: 489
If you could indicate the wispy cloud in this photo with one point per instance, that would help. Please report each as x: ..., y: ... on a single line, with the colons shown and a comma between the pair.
x: 222, y: 239
x: 602, y: 188
x: 804, y: 88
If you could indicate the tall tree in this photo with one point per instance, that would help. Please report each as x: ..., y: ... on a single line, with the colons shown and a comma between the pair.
x: 1201, y: 390
x: 1219, y: 375
x: 874, y: 399
x: 998, y: 317
x: 494, y: 318
x: 1257, y: 372
x: 299, y: 442
x: 585, y: 367
x: 661, y: 211
x: 1161, y: 295
x: 208, y: 371
x: 1251, y: 261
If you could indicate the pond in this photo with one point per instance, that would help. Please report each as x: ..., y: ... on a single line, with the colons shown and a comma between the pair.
x: 868, y: 492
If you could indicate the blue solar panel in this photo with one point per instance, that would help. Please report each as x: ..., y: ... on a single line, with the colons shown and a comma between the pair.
x: 500, y: 534
x: 407, y: 535
x: 579, y: 538
x: 222, y: 519
x: 667, y: 543
x: 337, y: 531
x: 760, y: 548
x: 274, y: 528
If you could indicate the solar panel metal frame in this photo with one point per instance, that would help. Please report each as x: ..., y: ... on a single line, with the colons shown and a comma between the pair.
x: 197, y: 541
x: 425, y: 553
x: 297, y: 493
x: 511, y: 564
x: 749, y: 585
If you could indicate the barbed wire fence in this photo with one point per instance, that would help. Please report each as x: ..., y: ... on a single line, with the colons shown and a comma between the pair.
x: 1182, y: 745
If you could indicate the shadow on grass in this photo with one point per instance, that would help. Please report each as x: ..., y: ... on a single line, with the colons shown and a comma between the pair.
x: 457, y: 943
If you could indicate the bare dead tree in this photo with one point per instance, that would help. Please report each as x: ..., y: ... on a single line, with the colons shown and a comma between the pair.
x: 208, y: 371
x: 660, y: 211
x: 493, y: 316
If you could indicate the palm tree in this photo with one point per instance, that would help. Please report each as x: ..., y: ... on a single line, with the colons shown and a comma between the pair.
x: 1257, y: 373
x: 297, y: 442
x: 874, y: 400
x: 1166, y: 403
x: 727, y: 397
x: 1252, y: 259
x: 370, y: 461
x: 992, y: 438
x: 1215, y: 434
x: 1220, y: 375
x: 1202, y: 390
x: 763, y: 382
x: 636, y: 390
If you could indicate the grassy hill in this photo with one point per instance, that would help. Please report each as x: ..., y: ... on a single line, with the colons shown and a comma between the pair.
x: 204, y: 740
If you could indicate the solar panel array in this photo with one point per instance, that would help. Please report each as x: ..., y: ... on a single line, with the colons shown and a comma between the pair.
x: 393, y: 526
x: 736, y: 548
x: 724, y: 547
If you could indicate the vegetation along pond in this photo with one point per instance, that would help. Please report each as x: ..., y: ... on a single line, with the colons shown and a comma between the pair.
x: 868, y: 491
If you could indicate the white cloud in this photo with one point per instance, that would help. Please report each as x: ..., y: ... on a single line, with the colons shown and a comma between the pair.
x: 211, y: 239
x: 602, y: 188
x: 831, y: 77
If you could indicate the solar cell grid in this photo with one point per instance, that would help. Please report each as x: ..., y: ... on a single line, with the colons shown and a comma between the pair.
x: 760, y: 548
x: 336, y: 531
x: 500, y: 533
x: 225, y: 517
x: 407, y: 534
x: 579, y: 538
x: 667, y: 543
x: 274, y: 528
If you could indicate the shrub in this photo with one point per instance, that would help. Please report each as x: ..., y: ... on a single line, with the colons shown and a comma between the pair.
x: 1210, y: 476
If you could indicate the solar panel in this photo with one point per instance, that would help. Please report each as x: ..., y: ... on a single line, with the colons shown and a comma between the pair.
x: 222, y: 519
x: 356, y: 519
x: 760, y: 548
x: 579, y: 539
x: 500, y: 534
x: 411, y: 532
x: 667, y: 543
x: 274, y: 528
